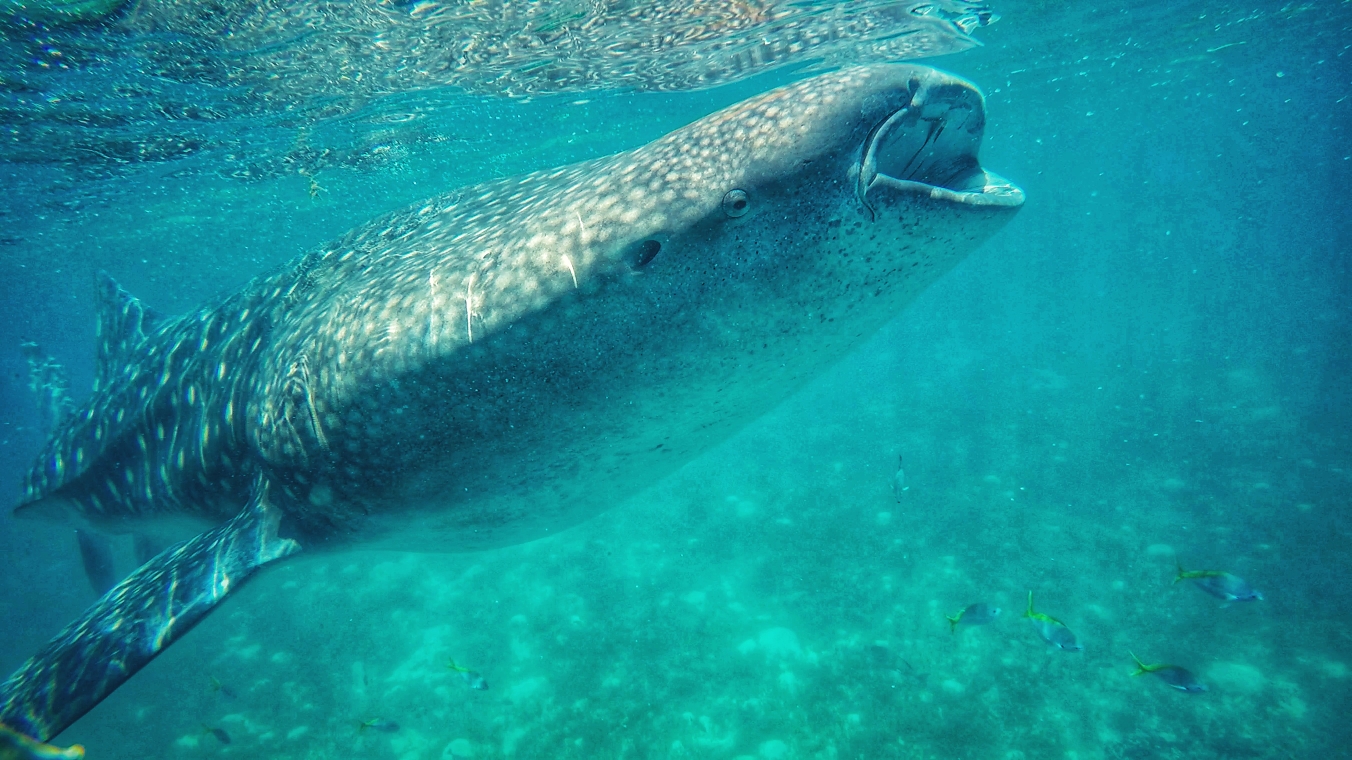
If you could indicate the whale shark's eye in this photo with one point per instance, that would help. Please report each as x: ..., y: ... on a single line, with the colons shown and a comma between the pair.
x: 736, y: 203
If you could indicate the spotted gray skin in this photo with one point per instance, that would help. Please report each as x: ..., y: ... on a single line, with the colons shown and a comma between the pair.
x: 501, y: 362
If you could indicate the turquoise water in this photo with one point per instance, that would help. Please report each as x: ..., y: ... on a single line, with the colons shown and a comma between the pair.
x: 1150, y: 364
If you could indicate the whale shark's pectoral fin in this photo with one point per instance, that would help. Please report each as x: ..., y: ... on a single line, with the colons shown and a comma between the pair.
x: 16, y: 746
x: 146, y: 548
x: 137, y: 619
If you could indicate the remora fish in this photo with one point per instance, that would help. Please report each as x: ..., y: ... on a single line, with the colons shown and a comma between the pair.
x: 407, y: 385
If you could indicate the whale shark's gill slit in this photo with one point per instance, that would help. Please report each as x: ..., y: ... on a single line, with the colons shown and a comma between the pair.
x: 925, y: 148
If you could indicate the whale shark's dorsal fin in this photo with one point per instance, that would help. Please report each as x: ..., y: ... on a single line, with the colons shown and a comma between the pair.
x: 123, y: 323
x: 137, y: 619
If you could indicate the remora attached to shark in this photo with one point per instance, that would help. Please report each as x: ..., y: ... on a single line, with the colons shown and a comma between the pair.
x: 502, y: 362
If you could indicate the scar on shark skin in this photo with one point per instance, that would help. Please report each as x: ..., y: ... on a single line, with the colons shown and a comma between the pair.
x: 432, y: 281
x: 469, y: 308
x: 581, y: 238
x: 569, y: 263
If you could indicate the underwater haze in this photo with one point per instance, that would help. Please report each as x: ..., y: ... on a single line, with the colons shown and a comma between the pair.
x: 1149, y: 368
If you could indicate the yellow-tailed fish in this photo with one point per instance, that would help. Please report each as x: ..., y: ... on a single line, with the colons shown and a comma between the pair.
x: 1051, y: 630
x: 973, y: 614
x: 471, y: 677
x: 1220, y: 584
x: 1177, y: 677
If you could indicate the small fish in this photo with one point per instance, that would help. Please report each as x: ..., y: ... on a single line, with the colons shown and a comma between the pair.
x: 899, y: 482
x: 1051, y: 630
x: 471, y: 677
x: 222, y: 689
x: 912, y: 676
x: 380, y: 724
x: 219, y: 733
x: 973, y: 614
x: 1178, y: 678
x: 1222, y: 585
x: 879, y: 654
x: 17, y: 746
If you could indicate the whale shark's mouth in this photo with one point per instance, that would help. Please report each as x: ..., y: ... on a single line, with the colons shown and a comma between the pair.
x: 929, y: 147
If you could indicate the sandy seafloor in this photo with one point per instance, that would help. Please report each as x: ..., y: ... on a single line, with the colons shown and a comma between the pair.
x: 1149, y: 364
x: 774, y: 601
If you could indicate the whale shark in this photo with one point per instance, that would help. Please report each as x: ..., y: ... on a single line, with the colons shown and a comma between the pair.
x: 503, y: 361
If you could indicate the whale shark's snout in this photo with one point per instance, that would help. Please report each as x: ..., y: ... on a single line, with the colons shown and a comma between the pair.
x: 928, y: 145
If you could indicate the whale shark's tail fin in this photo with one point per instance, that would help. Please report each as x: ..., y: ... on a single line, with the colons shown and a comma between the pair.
x: 123, y: 326
x: 137, y: 619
